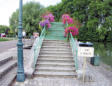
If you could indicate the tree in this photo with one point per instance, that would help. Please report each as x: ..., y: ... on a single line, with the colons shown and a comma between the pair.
x: 95, y: 16
x: 31, y: 16
x: 3, y: 29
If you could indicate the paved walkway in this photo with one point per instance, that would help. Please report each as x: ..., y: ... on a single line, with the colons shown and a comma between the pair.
x: 4, y: 46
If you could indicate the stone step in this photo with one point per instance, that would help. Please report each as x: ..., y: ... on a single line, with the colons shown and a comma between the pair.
x: 56, y: 42
x: 56, y: 68
x: 55, y: 53
x: 55, y: 65
x: 7, y: 67
x: 64, y: 56
x: 4, y: 60
x: 53, y: 50
x: 55, y: 74
x: 8, y: 78
x: 56, y: 62
x: 52, y: 38
x: 62, y: 47
x: 57, y: 58
x: 56, y: 48
x: 58, y: 54
x: 55, y: 37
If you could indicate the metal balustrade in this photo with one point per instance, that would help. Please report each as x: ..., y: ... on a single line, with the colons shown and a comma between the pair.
x: 74, y: 47
x: 38, y: 45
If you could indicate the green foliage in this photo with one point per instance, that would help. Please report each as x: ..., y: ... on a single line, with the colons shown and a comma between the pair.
x: 95, y: 16
x: 31, y: 16
x: 2, y: 39
x: 3, y: 28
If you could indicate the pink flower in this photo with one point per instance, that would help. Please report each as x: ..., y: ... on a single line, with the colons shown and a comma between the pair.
x: 51, y: 17
x: 65, y: 18
x: 48, y: 25
x: 70, y: 21
x: 73, y: 30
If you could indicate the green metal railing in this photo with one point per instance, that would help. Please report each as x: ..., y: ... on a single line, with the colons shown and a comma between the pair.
x: 38, y: 46
x: 74, y: 50
x: 74, y: 47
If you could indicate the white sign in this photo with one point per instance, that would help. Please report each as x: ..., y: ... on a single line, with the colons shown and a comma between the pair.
x: 86, y: 51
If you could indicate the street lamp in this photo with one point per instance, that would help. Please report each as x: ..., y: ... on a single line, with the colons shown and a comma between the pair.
x: 20, y: 70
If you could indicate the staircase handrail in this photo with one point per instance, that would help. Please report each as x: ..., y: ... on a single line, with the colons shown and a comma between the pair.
x: 73, y: 44
x: 38, y: 45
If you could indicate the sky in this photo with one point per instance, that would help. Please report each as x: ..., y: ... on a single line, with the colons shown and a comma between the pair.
x: 7, y: 7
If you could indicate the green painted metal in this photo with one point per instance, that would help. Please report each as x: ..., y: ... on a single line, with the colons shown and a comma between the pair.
x: 38, y: 46
x: 20, y: 70
x: 74, y: 47
x: 56, y: 32
x: 74, y: 50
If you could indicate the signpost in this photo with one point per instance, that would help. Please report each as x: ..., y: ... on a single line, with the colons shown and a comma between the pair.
x: 85, y: 52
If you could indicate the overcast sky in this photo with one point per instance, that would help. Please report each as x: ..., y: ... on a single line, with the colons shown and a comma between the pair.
x: 7, y: 7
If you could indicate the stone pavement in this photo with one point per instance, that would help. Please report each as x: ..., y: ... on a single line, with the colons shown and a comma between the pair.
x: 4, y: 46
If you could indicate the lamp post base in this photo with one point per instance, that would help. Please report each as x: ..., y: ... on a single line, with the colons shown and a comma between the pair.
x: 20, y: 76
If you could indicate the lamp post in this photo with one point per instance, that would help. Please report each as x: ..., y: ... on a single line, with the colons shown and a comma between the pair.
x: 20, y: 70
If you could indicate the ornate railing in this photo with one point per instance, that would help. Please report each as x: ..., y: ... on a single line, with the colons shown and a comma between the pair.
x: 74, y: 47
x: 38, y: 45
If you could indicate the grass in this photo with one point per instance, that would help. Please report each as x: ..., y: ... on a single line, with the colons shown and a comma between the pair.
x: 3, y: 39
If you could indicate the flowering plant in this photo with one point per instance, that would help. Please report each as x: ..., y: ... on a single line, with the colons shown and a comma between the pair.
x: 45, y: 23
x: 49, y: 16
x: 72, y: 26
x: 67, y: 19
x: 73, y: 30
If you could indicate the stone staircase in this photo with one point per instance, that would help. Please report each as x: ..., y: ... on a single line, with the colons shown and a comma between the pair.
x: 55, y: 60
x: 7, y: 71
